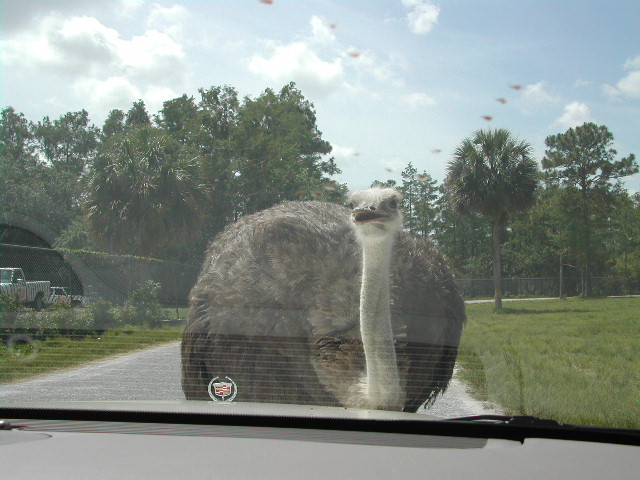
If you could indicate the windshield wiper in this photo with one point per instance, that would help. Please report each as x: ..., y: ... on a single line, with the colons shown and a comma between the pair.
x: 520, y: 427
x: 519, y: 420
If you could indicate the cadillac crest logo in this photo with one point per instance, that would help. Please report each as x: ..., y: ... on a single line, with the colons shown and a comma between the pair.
x: 222, y: 390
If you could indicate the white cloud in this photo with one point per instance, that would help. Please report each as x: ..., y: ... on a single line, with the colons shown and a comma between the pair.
x: 417, y: 100
x: 632, y: 63
x: 19, y: 15
x: 537, y: 94
x: 84, y: 45
x: 343, y: 153
x: 156, y: 95
x: 83, y: 41
x: 422, y: 16
x: 384, y: 71
x: 322, y: 32
x: 103, y: 68
x: 128, y: 8
x: 169, y: 20
x: 78, y: 44
x: 629, y: 85
x: 154, y: 56
x: 101, y: 96
x: 320, y: 64
x: 299, y: 63
x: 575, y: 114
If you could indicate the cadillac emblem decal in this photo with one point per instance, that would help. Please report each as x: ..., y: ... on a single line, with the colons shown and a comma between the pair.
x: 222, y: 390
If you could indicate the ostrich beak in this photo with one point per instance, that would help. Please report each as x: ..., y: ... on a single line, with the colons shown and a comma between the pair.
x: 366, y: 215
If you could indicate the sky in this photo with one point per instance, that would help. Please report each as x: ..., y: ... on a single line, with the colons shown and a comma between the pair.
x: 392, y: 82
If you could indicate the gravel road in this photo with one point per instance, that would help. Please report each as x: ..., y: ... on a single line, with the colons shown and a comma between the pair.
x: 154, y: 374
x: 457, y: 402
x: 151, y: 374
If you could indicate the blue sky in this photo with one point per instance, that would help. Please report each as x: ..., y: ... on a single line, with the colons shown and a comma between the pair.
x: 392, y: 81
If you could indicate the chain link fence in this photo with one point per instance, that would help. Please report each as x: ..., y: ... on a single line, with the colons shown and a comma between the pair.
x: 113, y: 277
x: 548, y: 286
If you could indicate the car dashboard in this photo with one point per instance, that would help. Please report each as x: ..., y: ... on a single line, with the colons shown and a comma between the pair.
x: 306, y: 442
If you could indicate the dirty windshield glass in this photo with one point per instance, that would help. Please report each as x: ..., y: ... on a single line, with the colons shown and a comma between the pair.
x: 399, y: 206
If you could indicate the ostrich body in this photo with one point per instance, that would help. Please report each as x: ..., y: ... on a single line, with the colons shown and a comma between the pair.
x: 313, y: 303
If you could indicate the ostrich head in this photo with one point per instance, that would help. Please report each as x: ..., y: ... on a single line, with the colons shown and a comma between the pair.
x: 376, y: 212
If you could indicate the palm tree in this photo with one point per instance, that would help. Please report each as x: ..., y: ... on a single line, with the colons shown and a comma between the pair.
x: 145, y: 193
x: 493, y: 174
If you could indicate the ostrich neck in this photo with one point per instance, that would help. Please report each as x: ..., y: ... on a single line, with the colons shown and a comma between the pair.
x: 383, y: 384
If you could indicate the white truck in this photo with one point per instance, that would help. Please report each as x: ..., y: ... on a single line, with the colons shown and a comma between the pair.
x: 13, y: 283
x: 60, y: 295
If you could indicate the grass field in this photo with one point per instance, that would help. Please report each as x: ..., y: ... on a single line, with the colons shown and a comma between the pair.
x: 576, y: 360
x: 21, y: 361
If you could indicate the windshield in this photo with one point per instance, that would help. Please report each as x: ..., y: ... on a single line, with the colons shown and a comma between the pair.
x: 407, y: 205
x: 5, y: 276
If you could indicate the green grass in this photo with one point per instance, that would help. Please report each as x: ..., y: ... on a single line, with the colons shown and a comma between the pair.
x: 23, y: 360
x: 576, y: 360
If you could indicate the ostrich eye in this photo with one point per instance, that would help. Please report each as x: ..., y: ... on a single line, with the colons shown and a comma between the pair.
x: 393, y: 204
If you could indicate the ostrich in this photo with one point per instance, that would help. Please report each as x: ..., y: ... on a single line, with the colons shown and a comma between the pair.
x: 313, y: 303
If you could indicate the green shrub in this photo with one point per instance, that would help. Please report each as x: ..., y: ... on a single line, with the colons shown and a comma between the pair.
x: 145, y: 295
x: 78, y: 319
x: 29, y: 322
x: 101, y: 314
x: 9, y: 303
x: 142, y: 307
x: 126, y: 315
x: 58, y: 306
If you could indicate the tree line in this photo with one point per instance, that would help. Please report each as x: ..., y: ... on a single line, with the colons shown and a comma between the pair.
x: 163, y: 185
x: 498, y: 214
